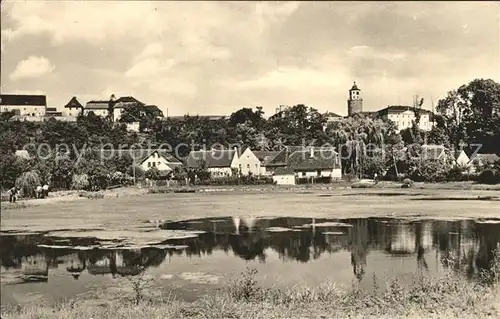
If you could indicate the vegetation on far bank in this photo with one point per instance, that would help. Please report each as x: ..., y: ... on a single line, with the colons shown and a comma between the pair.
x: 368, y: 146
x: 454, y: 295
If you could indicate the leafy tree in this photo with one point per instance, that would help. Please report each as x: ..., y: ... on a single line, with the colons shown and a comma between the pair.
x: 80, y: 181
x: 153, y: 173
x: 28, y: 183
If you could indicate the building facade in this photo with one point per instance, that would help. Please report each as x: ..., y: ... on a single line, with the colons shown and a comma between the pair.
x: 24, y: 105
x: 405, y: 116
x: 249, y: 163
x: 73, y: 108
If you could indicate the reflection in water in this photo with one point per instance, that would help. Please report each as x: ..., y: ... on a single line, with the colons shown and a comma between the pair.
x: 464, y: 246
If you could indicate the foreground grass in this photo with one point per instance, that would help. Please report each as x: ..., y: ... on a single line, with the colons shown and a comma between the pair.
x: 451, y: 296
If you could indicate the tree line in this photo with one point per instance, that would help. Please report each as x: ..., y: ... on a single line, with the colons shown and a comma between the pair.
x: 466, y: 116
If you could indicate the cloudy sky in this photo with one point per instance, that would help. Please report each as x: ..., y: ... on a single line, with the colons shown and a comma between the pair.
x: 216, y: 57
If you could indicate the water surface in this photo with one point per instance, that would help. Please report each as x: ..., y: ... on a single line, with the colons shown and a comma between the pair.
x: 285, y: 251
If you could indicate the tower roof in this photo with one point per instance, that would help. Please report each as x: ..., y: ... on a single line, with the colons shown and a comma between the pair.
x: 354, y: 87
x: 74, y: 103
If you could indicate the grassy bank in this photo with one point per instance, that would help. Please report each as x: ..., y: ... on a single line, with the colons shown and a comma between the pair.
x: 451, y: 296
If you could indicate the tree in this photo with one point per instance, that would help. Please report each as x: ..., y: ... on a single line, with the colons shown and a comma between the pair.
x: 28, y: 183
x: 471, y: 114
x: 153, y: 173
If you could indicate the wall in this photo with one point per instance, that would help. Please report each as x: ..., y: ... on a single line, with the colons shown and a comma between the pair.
x: 117, y: 113
x: 249, y: 163
x: 26, y: 110
x: 72, y: 111
x: 98, y: 112
x: 284, y: 179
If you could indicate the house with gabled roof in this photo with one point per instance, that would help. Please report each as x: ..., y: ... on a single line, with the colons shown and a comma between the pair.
x: 220, y: 163
x: 146, y: 158
x: 249, y: 163
x: 73, y: 107
x: 98, y: 107
x: 265, y: 157
x: 482, y: 161
x: 316, y: 163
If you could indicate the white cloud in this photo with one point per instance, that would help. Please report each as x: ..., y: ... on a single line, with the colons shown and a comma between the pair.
x: 151, y: 50
x: 294, y: 78
x: 363, y: 51
x: 149, y: 67
x: 31, y: 68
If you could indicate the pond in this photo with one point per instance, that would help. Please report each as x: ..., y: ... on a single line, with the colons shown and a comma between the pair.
x: 285, y: 251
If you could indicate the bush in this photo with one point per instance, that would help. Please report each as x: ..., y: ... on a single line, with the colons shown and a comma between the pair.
x: 80, y: 182
x: 28, y: 183
x: 407, y: 183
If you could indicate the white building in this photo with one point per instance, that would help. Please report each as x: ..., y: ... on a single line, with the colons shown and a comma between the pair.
x: 24, y: 105
x: 220, y: 163
x: 99, y: 108
x: 73, y: 108
x: 404, y: 116
x: 249, y: 163
x: 284, y: 176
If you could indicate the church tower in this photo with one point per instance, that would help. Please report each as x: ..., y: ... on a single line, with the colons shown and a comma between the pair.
x: 355, y: 102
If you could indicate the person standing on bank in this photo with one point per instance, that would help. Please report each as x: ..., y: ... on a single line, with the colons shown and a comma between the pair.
x: 38, y: 191
x: 13, y: 194
x: 45, y: 190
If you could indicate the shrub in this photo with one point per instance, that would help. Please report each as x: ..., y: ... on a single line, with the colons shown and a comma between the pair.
x: 28, y: 182
x: 80, y: 181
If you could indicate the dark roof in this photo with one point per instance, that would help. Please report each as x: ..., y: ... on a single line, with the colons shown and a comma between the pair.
x: 212, y: 158
x: 322, y: 159
x: 97, y: 105
x: 485, y: 158
x: 155, y: 109
x: 74, y: 103
x: 140, y: 155
x: 284, y: 171
x: 400, y: 109
x: 266, y: 156
x: 284, y: 154
x: 354, y: 87
x: 129, y: 99
x: 18, y: 99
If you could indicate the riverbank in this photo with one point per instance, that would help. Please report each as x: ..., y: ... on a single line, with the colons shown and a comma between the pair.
x: 452, y: 296
x: 71, y: 196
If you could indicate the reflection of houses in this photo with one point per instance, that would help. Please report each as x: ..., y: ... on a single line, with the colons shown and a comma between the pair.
x: 35, y: 268
x: 403, y: 240
x: 75, y: 265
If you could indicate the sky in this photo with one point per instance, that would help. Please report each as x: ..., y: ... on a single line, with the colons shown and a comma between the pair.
x: 217, y: 57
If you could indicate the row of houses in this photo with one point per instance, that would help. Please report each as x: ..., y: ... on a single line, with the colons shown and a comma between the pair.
x: 286, y: 166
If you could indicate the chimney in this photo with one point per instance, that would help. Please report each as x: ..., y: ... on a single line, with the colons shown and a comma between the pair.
x: 311, y: 154
x: 236, y: 151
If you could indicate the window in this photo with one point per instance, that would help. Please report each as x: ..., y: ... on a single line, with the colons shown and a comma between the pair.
x: 303, y: 173
x: 154, y: 164
x: 318, y: 172
x: 248, y: 166
x: 159, y: 163
x: 149, y: 164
